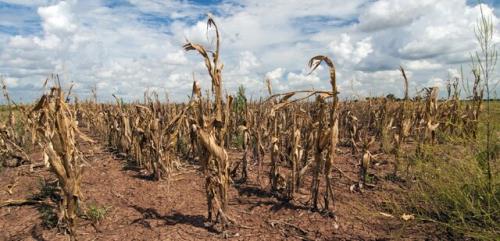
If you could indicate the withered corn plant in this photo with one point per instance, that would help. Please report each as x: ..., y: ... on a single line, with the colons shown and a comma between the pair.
x: 431, y: 114
x: 296, y: 153
x: 351, y: 126
x: 277, y: 180
x: 452, y: 113
x: 258, y: 150
x: 332, y: 137
x: 12, y: 140
x: 244, y: 131
x: 363, y: 144
x: 473, y: 109
x: 57, y: 132
x: 427, y: 119
x: 209, y: 127
x: 122, y: 137
x: 321, y: 143
x: 402, y: 124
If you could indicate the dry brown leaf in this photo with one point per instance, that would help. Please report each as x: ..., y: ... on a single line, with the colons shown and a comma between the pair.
x: 407, y: 217
x: 386, y: 215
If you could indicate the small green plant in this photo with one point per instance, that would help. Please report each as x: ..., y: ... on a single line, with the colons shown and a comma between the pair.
x: 47, y: 190
x: 182, y: 146
x: 241, y: 100
x: 48, y: 216
x: 237, y: 140
x: 371, y: 179
x: 96, y: 213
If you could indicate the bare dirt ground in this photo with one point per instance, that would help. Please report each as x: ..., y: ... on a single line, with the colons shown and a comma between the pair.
x: 139, y: 208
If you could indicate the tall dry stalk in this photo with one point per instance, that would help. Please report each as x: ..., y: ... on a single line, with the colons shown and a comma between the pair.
x: 403, y: 124
x: 333, y: 137
x: 484, y: 64
x: 57, y: 132
x: 210, y: 133
x: 296, y: 156
x: 364, y: 143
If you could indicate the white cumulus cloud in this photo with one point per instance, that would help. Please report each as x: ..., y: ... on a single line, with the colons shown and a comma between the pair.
x: 127, y: 47
x: 349, y: 52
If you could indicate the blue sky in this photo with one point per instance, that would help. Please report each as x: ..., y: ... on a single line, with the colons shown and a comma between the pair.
x: 18, y: 19
x: 129, y: 46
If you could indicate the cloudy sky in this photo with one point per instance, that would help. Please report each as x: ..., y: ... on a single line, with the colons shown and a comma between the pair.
x: 128, y: 46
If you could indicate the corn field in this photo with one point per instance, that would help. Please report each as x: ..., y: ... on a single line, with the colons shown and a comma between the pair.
x: 290, y: 144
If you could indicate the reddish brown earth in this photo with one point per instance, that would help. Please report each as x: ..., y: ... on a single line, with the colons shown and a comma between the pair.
x: 143, y: 209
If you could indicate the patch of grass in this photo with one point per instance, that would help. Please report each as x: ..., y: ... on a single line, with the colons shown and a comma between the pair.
x: 451, y: 188
x: 48, y: 216
x: 237, y: 140
x: 47, y: 213
x: 47, y: 190
x: 182, y: 146
x: 394, y: 178
x: 96, y: 213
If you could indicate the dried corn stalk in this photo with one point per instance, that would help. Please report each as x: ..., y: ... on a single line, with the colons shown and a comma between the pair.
x: 211, y: 136
x: 364, y: 143
x: 332, y: 136
x: 403, y: 124
x: 57, y: 131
